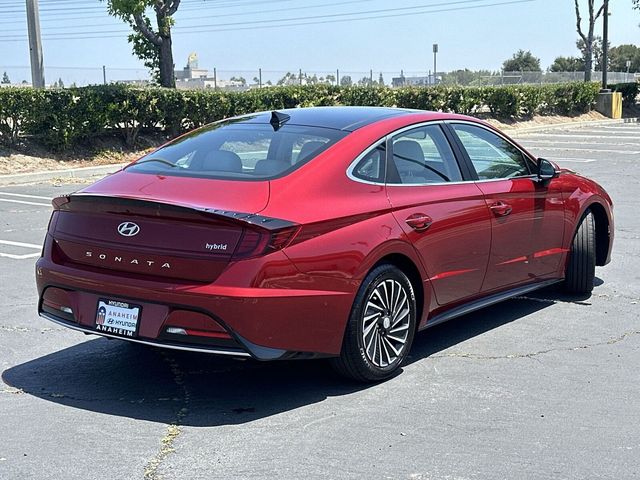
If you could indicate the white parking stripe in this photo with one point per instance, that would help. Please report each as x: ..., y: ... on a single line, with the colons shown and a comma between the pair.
x: 10, y: 200
x: 527, y: 136
x: 577, y: 160
x: 20, y: 244
x: 557, y: 142
x: 25, y: 196
x: 592, y: 150
x: 19, y: 257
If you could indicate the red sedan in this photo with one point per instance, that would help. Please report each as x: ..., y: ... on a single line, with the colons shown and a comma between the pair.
x: 318, y: 232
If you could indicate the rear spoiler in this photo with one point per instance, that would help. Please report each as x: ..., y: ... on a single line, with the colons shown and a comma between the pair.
x: 269, y: 224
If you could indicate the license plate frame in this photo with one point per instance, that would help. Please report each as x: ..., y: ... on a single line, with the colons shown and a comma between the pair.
x: 118, y: 318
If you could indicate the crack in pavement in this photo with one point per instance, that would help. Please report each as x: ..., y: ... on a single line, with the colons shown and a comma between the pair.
x: 540, y: 352
x: 174, y: 429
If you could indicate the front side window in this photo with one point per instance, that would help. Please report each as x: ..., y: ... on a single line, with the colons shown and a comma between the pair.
x: 491, y: 155
x: 422, y: 155
x: 231, y: 150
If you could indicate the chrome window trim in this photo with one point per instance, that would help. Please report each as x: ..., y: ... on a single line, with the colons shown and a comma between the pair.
x: 387, y: 137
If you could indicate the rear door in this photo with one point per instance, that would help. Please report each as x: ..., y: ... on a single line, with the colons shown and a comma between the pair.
x: 527, y: 216
x: 442, y: 213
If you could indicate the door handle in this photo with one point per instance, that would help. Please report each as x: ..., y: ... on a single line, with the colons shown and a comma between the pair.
x: 501, y: 208
x: 419, y: 221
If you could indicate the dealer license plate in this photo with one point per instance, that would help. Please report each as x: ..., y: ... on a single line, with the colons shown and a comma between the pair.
x: 117, y: 318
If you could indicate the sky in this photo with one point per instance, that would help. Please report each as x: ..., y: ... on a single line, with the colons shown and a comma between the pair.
x: 239, y: 36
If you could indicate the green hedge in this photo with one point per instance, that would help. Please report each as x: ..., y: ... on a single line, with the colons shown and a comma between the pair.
x: 629, y: 92
x: 61, y: 118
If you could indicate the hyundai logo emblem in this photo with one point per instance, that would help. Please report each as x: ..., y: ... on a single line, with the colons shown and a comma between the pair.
x: 128, y: 229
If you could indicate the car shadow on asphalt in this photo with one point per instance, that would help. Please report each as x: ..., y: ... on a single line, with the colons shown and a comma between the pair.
x: 158, y: 385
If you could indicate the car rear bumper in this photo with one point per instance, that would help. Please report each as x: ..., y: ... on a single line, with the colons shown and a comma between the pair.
x: 263, y: 323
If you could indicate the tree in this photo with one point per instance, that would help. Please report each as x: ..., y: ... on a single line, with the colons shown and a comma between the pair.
x: 5, y: 79
x: 345, y: 81
x: 522, y: 61
x: 330, y: 78
x: 618, y: 57
x: 381, y: 80
x: 154, y: 47
x: 241, y: 80
x: 588, y: 37
x: 60, y: 83
x: 567, y: 64
x: 596, y: 51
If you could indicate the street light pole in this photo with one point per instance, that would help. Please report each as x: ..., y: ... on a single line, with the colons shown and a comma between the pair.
x: 605, y: 44
x: 35, y: 44
x: 435, y: 64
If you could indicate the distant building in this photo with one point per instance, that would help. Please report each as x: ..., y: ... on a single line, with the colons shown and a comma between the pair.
x: 403, y: 81
x: 191, y: 71
x: 193, y: 77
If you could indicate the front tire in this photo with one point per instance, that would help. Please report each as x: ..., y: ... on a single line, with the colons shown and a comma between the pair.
x: 581, y: 267
x: 381, y: 326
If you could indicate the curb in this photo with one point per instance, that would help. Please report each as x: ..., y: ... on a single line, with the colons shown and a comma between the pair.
x: 595, y: 123
x: 83, y: 172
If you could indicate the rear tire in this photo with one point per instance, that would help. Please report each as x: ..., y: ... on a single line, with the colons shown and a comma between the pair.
x: 581, y: 266
x: 381, y: 327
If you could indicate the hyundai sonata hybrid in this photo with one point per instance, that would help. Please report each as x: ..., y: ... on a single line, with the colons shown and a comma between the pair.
x: 318, y: 232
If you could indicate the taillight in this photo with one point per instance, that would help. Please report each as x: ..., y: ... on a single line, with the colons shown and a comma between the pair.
x: 259, y: 242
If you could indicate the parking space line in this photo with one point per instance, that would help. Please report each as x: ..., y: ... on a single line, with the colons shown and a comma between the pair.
x: 620, y: 152
x: 19, y: 257
x: 10, y: 200
x: 576, y: 160
x: 22, y: 195
x: 20, y: 244
x: 23, y: 256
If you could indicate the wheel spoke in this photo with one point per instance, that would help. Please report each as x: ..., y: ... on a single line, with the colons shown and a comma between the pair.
x: 366, y: 331
x: 395, y: 303
x: 386, y: 352
x: 400, y: 328
x: 390, y: 345
x: 399, y: 340
x: 371, y: 304
x: 386, y: 294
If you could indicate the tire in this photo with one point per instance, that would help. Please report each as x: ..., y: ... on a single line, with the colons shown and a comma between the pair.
x: 581, y: 267
x: 380, y: 330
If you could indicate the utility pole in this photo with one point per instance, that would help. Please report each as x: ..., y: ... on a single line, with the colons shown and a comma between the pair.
x: 605, y: 45
x: 104, y: 74
x: 215, y: 78
x: 35, y: 44
x: 337, y: 77
x: 435, y: 64
x: 260, y: 78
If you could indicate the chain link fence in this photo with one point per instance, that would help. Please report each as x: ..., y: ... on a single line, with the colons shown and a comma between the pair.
x: 204, y: 78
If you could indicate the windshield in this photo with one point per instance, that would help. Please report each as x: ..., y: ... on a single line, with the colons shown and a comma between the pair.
x: 239, y: 151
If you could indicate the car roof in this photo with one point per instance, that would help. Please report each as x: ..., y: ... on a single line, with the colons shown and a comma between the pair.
x: 339, y: 118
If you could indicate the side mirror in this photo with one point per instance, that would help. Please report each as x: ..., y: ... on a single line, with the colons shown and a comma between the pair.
x: 546, y: 170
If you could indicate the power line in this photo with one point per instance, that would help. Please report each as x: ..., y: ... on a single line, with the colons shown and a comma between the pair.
x: 298, y: 21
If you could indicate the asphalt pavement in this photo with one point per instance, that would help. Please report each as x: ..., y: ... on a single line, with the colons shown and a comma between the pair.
x: 538, y: 387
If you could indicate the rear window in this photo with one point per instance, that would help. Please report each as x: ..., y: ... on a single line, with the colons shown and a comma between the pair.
x: 236, y: 151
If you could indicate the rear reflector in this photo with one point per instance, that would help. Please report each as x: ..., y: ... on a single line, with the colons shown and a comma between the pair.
x: 176, y: 331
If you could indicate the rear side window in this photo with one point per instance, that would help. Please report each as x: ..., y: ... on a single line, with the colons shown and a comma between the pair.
x: 422, y: 155
x: 236, y: 151
x: 372, y: 166
x: 492, y: 156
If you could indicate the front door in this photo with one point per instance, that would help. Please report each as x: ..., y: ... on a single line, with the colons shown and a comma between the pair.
x: 527, y: 216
